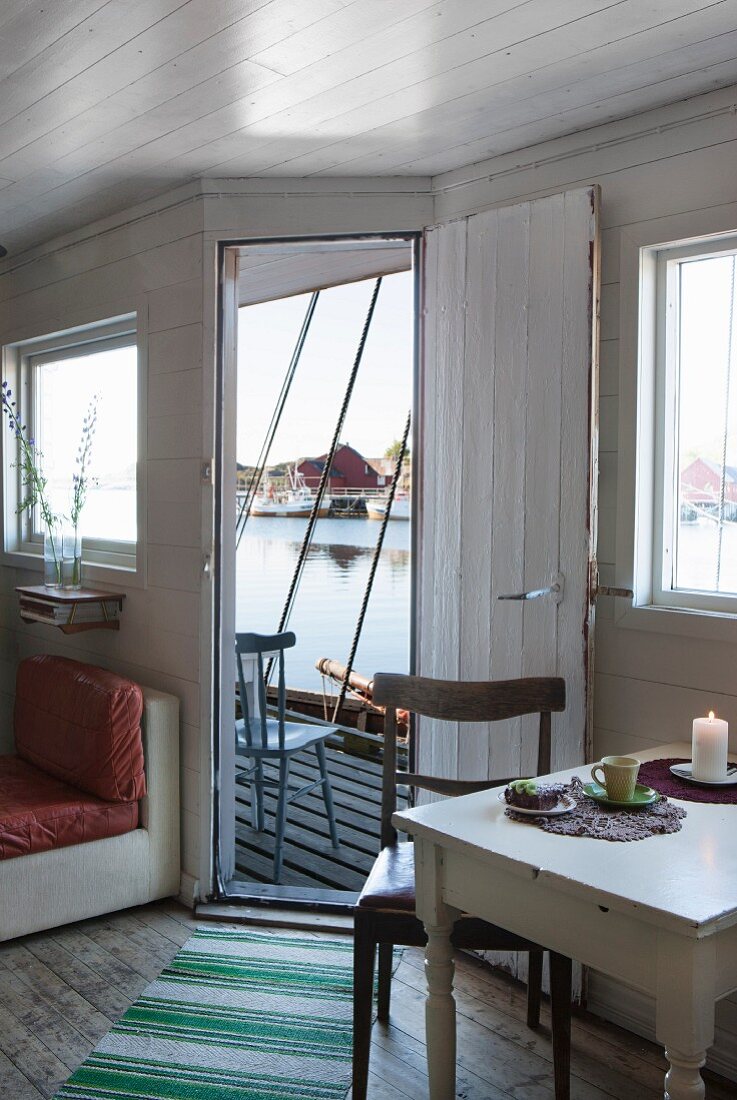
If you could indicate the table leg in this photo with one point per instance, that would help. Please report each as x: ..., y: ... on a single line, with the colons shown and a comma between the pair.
x: 440, y: 1012
x: 683, y: 1080
x: 685, y: 1011
x: 440, y: 1008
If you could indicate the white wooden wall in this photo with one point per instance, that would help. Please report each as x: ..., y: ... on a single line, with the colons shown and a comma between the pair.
x: 154, y: 265
x: 506, y: 399
x: 159, y: 258
x: 678, y: 160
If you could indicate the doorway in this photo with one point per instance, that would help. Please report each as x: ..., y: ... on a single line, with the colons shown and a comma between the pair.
x: 504, y: 497
x: 317, y: 539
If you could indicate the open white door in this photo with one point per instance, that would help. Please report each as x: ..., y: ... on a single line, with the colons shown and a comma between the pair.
x: 508, y: 487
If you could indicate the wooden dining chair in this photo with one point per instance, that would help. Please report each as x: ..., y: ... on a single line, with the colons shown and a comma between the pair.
x: 259, y: 739
x: 385, y: 912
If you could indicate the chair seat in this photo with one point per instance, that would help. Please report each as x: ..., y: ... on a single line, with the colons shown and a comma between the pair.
x: 296, y: 737
x: 391, y: 881
x: 390, y: 888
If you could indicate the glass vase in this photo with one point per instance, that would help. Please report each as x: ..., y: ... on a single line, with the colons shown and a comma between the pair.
x: 71, y: 558
x: 53, y: 555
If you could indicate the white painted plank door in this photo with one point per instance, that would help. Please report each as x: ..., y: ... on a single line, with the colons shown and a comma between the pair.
x: 508, y: 406
x: 445, y: 405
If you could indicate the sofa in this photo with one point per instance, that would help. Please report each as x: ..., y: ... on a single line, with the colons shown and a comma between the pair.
x: 89, y: 801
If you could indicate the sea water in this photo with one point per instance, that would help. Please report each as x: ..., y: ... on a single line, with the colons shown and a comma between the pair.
x: 330, y: 593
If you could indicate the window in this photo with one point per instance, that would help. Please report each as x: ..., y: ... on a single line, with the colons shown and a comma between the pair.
x: 695, y: 564
x: 685, y: 531
x: 58, y: 378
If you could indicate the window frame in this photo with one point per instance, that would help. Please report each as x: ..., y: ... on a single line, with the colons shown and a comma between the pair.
x: 104, y: 559
x: 667, y: 289
x: 645, y: 449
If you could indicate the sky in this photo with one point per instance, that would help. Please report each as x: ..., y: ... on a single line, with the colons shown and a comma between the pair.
x: 705, y: 306
x: 68, y: 386
x: 383, y: 392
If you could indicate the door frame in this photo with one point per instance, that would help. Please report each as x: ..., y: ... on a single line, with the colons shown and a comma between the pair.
x: 220, y: 756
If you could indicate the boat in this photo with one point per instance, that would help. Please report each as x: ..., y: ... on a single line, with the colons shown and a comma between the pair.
x: 357, y: 711
x: 360, y: 723
x: 294, y: 502
x: 376, y: 508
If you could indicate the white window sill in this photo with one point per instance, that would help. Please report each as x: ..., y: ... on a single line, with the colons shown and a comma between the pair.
x: 709, y: 625
x: 92, y: 574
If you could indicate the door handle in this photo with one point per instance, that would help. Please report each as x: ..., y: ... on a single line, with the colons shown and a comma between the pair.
x: 555, y: 589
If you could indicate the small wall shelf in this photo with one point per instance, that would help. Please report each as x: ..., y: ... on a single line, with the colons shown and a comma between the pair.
x: 71, y: 610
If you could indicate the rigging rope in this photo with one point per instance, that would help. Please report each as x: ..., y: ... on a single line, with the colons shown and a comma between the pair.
x: 723, y: 477
x: 258, y: 473
x: 307, y: 540
x: 372, y: 570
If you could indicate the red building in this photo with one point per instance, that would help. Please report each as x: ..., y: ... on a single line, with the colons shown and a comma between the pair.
x: 350, y: 470
x: 701, y: 480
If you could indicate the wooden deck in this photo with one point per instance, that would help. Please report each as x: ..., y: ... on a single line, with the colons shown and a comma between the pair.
x: 63, y: 989
x: 309, y: 858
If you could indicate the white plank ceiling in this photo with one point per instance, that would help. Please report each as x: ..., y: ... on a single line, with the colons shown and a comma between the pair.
x: 103, y: 104
x: 274, y: 271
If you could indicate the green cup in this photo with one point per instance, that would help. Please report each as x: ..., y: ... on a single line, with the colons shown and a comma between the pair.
x: 619, y: 776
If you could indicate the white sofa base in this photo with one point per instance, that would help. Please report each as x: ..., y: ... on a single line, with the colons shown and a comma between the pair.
x: 47, y: 889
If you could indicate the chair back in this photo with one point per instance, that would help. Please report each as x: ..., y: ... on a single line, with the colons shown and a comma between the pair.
x: 459, y: 701
x: 250, y: 650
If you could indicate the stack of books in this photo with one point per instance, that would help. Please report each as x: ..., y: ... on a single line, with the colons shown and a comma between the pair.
x: 60, y: 614
x: 69, y: 608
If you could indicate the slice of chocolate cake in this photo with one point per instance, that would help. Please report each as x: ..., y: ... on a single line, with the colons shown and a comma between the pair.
x: 529, y: 794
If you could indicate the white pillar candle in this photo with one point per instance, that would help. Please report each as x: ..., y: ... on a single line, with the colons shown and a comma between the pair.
x: 709, y: 748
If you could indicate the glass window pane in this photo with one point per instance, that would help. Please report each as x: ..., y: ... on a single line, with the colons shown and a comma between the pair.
x: 65, y: 389
x: 706, y: 494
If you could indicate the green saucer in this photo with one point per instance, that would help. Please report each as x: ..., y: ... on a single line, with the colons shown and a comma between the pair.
x: 643, y: 796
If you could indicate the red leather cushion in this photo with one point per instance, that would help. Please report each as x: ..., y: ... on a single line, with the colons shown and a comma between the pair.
x: 81, y: 724
x: 391, y: 881
x: 38, y: 812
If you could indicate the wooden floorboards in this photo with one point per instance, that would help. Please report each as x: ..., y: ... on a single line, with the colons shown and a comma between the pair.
x: 309, y: 857
x: 62, y: 989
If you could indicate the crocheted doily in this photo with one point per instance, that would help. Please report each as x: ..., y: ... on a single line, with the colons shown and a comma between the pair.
x: 592, y: 819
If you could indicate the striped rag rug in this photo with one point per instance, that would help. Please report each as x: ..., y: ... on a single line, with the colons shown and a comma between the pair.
x: 237, y: 1015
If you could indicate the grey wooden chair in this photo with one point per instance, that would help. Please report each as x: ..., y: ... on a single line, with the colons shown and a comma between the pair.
x: 385, y: 912
x: 258, y: 738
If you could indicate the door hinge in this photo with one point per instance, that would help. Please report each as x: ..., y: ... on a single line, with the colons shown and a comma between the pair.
x: 597, y: 589
x: 207, y: 471
x: 610, y: 590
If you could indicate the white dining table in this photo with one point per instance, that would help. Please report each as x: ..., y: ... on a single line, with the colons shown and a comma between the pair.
x: 660, y: 914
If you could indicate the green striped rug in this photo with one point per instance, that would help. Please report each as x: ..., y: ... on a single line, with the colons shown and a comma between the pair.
x: 235, y: 1016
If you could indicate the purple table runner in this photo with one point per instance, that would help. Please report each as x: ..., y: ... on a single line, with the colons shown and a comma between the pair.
x: 657, y: 774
